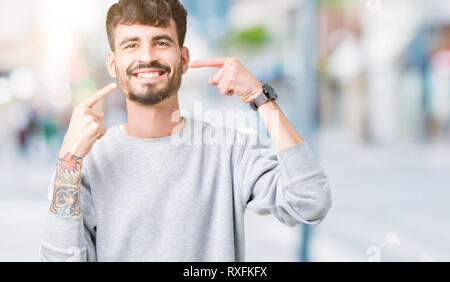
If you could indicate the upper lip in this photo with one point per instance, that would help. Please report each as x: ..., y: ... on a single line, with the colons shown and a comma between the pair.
x: 150, y: 70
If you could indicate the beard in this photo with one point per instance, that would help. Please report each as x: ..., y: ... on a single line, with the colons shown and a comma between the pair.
x: 150, y: 93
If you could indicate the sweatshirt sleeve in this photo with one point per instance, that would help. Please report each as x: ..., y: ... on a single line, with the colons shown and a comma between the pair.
x: 290, y: 184
x: 70, y: 239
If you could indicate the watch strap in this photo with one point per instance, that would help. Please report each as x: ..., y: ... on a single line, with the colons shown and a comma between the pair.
x: 260, y: 100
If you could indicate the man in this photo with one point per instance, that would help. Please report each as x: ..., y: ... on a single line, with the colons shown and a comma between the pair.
x: 130, y: 193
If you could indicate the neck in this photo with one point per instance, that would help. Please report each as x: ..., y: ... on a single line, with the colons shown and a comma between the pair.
x: 153, y: 121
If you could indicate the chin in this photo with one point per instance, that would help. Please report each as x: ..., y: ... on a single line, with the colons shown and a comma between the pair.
x: 148, y: 99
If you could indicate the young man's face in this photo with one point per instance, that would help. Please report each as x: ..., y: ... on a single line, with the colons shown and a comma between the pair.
x: 148, y: 62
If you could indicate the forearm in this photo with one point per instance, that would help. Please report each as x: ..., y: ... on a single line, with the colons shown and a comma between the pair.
x: 66, y: 193
x: 282, y: 132
x: 64, y: 234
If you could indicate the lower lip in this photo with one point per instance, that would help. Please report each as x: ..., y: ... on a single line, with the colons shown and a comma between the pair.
x: 147, y: 79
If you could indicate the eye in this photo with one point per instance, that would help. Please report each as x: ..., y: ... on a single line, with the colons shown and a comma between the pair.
x: 132, y: 45
x: 161, y: 43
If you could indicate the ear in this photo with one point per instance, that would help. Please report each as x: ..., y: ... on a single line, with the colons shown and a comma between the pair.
x: 185, y: 57
x: 110, y: 64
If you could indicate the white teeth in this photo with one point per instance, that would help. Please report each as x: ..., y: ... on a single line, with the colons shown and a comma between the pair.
x: 147, y: 74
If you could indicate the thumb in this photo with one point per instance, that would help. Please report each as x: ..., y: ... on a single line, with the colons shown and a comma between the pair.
x: 210, y: 81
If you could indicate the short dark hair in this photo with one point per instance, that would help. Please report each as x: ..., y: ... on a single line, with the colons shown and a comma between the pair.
x: 147, y: 12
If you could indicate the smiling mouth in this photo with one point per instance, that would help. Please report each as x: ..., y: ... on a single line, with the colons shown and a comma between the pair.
x: 145, y: 75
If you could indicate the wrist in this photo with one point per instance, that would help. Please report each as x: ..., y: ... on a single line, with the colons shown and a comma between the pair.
x: 65, y: 153
x: 266, y: 95
x: 258, y: 90
x: 268, y: 106
x: 70, y: 149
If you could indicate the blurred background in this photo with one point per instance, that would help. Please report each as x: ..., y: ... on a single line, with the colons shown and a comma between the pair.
x: 366, y: 82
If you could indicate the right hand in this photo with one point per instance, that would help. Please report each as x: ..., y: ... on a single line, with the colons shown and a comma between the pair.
x: 85, y: 126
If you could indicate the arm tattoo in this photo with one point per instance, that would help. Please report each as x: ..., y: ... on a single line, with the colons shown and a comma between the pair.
x: 66, y: 193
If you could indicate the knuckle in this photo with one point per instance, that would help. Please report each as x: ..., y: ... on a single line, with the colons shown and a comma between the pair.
x: 84, y: 110
x: 234, y: 67
x: 89, y: 118
x: 93, y: 129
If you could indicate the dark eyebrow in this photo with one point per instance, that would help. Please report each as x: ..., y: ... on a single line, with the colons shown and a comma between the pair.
x: 128, y: 39
x: 166, y: 37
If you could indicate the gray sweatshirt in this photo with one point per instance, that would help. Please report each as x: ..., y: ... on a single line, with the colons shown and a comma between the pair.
x: 183, y: 197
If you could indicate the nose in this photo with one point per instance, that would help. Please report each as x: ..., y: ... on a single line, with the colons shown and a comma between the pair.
x: 146, y: 54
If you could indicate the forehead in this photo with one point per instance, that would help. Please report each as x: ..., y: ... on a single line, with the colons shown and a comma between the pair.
x: 145, y: 31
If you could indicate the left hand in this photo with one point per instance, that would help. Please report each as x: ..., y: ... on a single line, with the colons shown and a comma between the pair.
x: 232, y: 78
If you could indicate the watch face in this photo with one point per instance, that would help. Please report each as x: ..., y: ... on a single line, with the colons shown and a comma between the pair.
x: 271, y: 91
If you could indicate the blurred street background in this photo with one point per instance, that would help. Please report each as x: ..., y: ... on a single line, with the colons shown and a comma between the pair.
x: 365, y: 82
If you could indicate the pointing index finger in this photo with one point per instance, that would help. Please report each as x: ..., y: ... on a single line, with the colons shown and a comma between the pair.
x: 99, y: 95
x: 211, y: 63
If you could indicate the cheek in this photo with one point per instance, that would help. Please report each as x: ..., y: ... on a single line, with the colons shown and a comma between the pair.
x: 172, y: 59
x: 178, y: 66
x: 122, y: 64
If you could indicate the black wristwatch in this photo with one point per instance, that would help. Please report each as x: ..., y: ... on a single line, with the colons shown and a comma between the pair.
x: 268, y: 94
